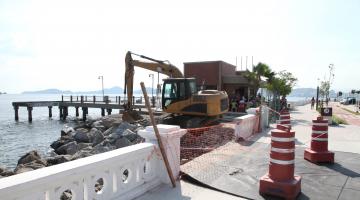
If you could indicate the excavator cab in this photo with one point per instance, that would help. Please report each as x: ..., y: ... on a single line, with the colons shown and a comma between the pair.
x: 177, y: 89
x: 180, y: 96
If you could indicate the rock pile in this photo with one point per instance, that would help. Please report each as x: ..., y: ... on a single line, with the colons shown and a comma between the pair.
x: 105, y: 134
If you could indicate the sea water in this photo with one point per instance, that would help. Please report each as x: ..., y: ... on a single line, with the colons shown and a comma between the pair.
x: 18, y: 138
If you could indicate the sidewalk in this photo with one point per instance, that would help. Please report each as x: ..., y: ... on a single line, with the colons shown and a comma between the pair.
x: 344, y: 138
x: 341, y: 138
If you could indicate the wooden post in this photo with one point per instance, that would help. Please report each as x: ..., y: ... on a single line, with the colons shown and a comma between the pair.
x: 94, y: 98
x: 166, y: 161
x: 16, y: 108
x: 103, y: 112
x: 29, y: 108
x: 62, y: 98
x: 77, y: 111
x: 82, y: 99
x: 60, y: 112
x: 84, y: 112
x: 71, y: 97
x: 109, y: 111
x: 77, y: 98
x: 50, y: 111
x: 65, y: 113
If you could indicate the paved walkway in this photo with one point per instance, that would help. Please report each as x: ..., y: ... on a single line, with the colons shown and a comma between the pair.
x: 350, y: 118
x: 341, y: 138
x: 344, y: 138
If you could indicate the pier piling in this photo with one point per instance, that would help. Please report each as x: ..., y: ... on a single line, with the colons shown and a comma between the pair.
x: 77, y: 111
x: 50, y: 111
x: 16, y: 108
x: 109, y: 111
x: 102, y: 112
x: 85, y: 110
x: 60, y: 112
x: 29, y: 113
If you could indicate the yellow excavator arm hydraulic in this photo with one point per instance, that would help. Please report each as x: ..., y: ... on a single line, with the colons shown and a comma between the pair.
x: 163, y: 67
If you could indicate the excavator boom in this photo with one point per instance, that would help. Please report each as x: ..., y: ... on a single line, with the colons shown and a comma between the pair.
x: 156, y: 66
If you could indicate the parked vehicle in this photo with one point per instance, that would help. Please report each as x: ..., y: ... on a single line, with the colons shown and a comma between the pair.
x: 348, y: 101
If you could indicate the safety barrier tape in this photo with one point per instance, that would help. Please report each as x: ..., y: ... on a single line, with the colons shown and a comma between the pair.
x: 278, y: 150
x: 320, y: 139
x: 319, y: 132
x: 280, y: 139
x: 282, y: 162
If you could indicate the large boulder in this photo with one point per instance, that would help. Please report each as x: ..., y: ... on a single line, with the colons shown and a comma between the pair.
x: 85, y: 152
x: 69, y: 148
x: 22, y: 168
x: 61, y: 141
x: 36, y: 164
x: 5, y: 172
x: 84, y: 145
x: 132, y: 137
x: 108, y: 131
x: 108, y: 122
x: 29, y: 157
x: 96, y: 136
x: 66, y: 131
x: 82, y: 135
x: 98, y: 125
x: 122, y: 142
x: 58, y: 159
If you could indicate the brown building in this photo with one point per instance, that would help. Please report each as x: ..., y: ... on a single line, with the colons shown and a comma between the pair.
x: 219, y: 75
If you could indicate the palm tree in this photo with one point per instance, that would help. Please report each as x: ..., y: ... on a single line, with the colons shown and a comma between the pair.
x: 260, y: 70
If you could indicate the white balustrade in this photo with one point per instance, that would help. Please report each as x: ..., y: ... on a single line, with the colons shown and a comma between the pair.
x: 170, y: 136
x: 126, y: 173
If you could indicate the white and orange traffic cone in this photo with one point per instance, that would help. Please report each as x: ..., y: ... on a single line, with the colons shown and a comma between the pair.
x: 318, y: 151
x: 280, y: 180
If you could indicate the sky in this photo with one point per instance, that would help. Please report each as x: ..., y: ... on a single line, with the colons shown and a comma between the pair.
x: 68, y: 44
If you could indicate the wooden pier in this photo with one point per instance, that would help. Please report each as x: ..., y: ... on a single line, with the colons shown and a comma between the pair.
x: 105, y: 103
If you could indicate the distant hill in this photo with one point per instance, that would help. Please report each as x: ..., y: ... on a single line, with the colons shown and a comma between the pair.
x: 113, y: 90
x: 48, y: 91
x: 307, y: 92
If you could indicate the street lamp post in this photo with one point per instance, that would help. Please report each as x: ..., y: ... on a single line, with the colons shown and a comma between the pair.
x: 152, y: 85
x: 317, y: 94
x: 102, y: 84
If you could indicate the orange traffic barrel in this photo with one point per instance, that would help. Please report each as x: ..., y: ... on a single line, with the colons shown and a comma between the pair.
x: 280, y: 180
x: 318, y: 151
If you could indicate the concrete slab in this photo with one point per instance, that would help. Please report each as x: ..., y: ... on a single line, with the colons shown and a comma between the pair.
x: 185, y: 191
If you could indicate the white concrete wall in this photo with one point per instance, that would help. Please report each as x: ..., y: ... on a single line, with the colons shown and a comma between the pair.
x: 80, y: 176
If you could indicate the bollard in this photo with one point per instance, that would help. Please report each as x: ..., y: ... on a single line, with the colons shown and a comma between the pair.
x: 280, y: 180
x: 284, y: 118
x: 318, y: 151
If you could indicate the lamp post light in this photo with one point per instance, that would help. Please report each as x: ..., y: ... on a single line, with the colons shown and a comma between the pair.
x: 102, y: 84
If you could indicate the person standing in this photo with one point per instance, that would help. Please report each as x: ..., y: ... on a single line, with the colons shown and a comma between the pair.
x: 312, y: 103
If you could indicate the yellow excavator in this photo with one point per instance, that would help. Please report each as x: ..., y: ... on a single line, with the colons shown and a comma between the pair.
x: 179, y: 94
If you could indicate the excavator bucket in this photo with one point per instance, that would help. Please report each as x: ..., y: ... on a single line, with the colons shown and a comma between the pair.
x: 131, y: 116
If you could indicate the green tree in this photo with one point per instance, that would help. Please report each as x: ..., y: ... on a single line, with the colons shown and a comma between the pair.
x: 281, y: 85
x: 260, y: 70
